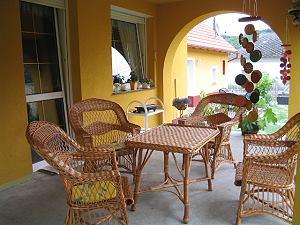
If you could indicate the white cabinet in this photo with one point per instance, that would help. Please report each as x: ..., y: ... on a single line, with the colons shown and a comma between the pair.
x: 145, y: 113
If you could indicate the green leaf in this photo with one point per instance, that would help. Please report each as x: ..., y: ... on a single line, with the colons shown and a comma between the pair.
x: 270, y: 116
x: 261, y: 102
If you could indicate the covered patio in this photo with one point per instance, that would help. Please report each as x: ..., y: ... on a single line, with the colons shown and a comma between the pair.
x: 41, y: 200
x: 84, y: 70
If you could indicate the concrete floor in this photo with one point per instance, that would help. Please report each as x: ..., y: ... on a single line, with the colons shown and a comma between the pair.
x: 41, y: 200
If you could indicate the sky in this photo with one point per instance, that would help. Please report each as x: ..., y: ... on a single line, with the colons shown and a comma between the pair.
x: 228, y: 24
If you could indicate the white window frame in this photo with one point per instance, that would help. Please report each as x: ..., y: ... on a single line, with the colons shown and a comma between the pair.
x: 214, y: 75
x: 126, y: 15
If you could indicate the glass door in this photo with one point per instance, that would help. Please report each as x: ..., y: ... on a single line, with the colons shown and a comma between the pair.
x: 44, y: 86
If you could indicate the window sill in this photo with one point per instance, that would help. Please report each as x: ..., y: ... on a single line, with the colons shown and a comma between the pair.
x: 131, y: 91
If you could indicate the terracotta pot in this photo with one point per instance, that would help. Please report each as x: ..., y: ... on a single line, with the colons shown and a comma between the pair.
x: 133, y: 85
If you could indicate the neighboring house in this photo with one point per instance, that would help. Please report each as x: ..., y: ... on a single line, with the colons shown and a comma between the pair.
x: 270, y: 46
x: 207, y: 60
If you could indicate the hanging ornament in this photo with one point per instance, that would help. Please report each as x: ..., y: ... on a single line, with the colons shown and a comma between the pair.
x: 256, y: 76
x: 285, y: 60
x: 241, y: 79
x: 252, y: 96
x: 255, y: 56
x: 248, y: 67
x: 251, y: 9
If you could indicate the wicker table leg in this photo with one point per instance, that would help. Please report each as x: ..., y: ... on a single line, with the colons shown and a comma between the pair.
x: 137, y: 178
x: 141, y: 162
x: 187, y: 167
x: 166, y: 165
x: 207, y: 166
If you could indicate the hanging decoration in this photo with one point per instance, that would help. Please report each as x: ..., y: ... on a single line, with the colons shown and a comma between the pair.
x: 250, y: 8
x: 285, y: 59
x: 252, y: 76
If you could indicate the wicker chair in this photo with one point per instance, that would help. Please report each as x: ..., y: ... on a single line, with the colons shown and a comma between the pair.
x: 99, y: 122
x: 95, y: 190
x: 267, y: 172
x: 222, y: 111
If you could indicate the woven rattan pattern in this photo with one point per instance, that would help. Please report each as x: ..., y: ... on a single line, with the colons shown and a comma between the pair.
x: 222, y: 111
x: 172, y: 138
x: 99, y: 122
x: 95, y: 194
x: 268, y: 171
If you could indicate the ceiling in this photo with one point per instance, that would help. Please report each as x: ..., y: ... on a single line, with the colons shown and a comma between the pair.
x: 163, y: 1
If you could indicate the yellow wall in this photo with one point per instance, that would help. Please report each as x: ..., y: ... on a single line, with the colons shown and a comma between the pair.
x: 15, y: 158
x: 178, y: 86
x: 94, y: 30
x: 192, y: 12
x: 205, y: 60
x: 90, y: 41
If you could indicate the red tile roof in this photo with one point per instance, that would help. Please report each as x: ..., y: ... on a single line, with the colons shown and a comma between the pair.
x: 204, y: 37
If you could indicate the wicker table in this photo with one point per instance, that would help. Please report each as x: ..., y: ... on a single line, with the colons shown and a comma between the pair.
x: 170, y: 138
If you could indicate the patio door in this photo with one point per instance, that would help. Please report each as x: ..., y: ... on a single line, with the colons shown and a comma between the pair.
x: 43, y: 71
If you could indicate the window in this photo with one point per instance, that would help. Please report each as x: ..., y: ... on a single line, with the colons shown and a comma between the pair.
x: 214, y: 74
x: 129, y: 41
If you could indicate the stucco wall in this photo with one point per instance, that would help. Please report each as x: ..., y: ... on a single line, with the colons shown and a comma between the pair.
x: 192, y: 12
x: 91, y: 61
x: 15, y: 158
x: 205, y: 61
x: 94, y: 30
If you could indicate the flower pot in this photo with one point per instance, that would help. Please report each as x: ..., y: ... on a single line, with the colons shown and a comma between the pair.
x: 133, y: 85
x: 123, y: 87
x: 249, y: 132
x: 146, y: 85
x: 116, y: 87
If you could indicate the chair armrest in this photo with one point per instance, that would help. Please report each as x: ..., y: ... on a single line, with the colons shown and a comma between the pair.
x: 94, y: 154
x: 266, y: 146
x: 279, y: 158
x: 228, y: 124
x: 191, y: 120
x: 133, y: 128
x: 272, y: 136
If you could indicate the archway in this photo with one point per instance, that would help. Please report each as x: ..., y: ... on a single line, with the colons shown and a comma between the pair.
x: 175, y: 70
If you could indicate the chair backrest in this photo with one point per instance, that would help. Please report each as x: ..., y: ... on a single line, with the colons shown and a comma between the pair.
x: 290, y: 131
x: 52, y: 144
x: 98, y: 122
x: 219, y: 108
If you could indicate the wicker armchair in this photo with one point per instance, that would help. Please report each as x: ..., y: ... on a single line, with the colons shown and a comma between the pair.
x: 267, y: 172
x: 99, y: 122
x: 222, y: 111
x: 95, y: 190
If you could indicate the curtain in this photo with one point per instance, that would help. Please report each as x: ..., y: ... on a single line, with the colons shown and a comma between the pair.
x: 131, y: 48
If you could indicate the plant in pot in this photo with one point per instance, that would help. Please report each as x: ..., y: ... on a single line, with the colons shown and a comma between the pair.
x: 117, y: 81
x: 248, y: 126
x: 133, y: 81
x: 147, y: 83
x: 180, y: 104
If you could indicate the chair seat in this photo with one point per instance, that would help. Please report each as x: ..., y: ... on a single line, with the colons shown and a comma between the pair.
x: 116, y: 146
x: 93, y: 192
x: 258, y: 173
x: 99, y: 191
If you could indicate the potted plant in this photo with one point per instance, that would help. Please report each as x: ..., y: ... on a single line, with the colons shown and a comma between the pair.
x: 249, y: 127
x: 180, y: 104
x: 147, y: 83
x: 119, y: 83
x: 133, y: 81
